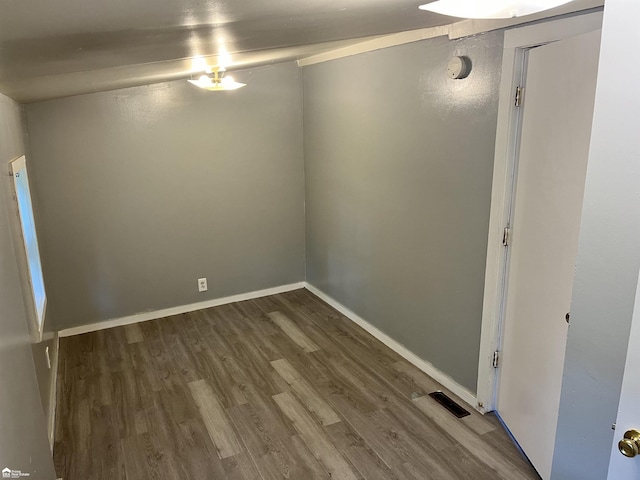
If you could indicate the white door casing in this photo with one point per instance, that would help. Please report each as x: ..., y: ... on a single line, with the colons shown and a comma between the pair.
x: 516, y: 42
x: 554, y: 146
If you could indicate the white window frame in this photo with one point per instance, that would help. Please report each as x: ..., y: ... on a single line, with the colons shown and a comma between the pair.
x: 36, y: 322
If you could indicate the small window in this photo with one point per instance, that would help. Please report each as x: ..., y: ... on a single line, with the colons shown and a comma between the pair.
x: 29, y: 238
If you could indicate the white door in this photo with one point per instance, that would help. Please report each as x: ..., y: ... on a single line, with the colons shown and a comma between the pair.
x: 554, y: 145
x: 620, y: 466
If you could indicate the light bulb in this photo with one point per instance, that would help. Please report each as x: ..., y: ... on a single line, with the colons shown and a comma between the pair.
x: 224, y: 59
x: 199, y: 64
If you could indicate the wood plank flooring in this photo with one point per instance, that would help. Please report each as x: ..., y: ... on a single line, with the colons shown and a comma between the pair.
x: 282, y: 387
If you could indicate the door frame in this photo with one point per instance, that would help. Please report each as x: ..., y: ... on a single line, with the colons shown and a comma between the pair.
x: 516, y: 44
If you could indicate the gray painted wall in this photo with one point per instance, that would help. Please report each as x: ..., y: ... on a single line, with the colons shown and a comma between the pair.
x: 608, y: 261
x: 398, y: 164
x: 23, y: 443
x: 141, y: 191
x: 49, y: 340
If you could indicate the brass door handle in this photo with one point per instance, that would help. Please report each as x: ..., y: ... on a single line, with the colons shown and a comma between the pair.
x: 629, y: 446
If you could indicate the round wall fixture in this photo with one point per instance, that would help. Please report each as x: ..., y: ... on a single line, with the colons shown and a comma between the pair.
x: 459, y: 67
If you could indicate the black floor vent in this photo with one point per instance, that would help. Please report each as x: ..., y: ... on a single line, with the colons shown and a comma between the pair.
x: 449, y: 404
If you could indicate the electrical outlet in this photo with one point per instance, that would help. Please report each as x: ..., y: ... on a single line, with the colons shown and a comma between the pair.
x: 202, y: 284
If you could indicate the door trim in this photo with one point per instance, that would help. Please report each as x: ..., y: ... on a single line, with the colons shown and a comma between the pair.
x: 516, y: 42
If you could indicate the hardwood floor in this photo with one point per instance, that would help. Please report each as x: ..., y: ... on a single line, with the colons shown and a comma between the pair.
x: 282, y: 387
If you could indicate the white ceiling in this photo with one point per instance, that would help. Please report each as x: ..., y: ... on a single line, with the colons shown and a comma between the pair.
x: 53, y: 48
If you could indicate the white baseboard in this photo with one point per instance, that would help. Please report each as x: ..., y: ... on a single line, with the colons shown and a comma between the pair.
x: 155, y: 314
x: 53, y: 392
x: 440, y: 377
x: 397, y: 347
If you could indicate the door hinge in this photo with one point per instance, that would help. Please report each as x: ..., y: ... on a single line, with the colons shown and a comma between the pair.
x: 519, y: 96
x: 506, y: 236
x: 496, y: 359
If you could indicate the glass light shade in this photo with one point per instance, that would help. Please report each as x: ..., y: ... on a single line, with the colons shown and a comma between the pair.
x: 209, y: 83
x: 487, y: 9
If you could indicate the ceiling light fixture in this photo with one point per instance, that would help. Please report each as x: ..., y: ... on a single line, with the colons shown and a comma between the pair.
x: 487, y: 9
x: 215, y: 80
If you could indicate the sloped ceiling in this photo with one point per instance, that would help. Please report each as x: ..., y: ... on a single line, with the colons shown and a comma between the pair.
x: 53, y: 48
